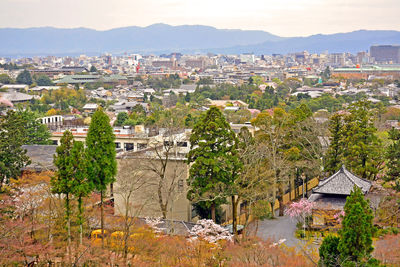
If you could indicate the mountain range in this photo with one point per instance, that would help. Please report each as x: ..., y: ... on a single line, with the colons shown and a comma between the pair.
x: 163, y: 38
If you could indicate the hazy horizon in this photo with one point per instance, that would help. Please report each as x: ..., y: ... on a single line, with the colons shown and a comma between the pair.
x: 287, y: 18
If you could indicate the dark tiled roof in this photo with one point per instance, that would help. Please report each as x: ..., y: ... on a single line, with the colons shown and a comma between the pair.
x: 41, y: 157
x: 342, y: 183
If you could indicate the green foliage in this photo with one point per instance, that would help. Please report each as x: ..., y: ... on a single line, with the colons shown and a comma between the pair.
x: 36, y: 133
x: 12, y: 137
x: 65, y: 97
x: 393, y: 159
x: 363, y: 149
x: 25, y: 77
x: 121, y: 118
x: 329, y: 255
x: 93, y: 69
x: 61, y: 183
x: 357, y: 229
x: 43, y: 80
x: 5, y: 79
x: 354, y: 142
x: 214, y: 159
x: 333, y: 158
x: 102, y: 165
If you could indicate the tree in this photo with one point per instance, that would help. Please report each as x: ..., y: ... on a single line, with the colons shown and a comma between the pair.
x: 102, y: 165
x: 36, y: 132
x: 81, y: 186
x: 273, y: 135
x: 329, y: 255
x: 61, y: 183
x: 121, y: 118
x: 334, y: 155
x: 43, y: 80
x: 12, y: 156
x: 393, y: 159
x: 213, y: 157
x: 93, y: 69
x: 362, y: 148
x: 24, y: 77
x: 5, y: 79
x: 357, y: 229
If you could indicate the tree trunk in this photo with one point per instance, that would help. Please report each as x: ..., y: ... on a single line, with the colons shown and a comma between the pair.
x: 80, y: 220
x: 280, y: 199
x: 68, y: 214
x: 234, y: 216
x: 102, y: 218
x: 272, y: 204
x: 213, y: 211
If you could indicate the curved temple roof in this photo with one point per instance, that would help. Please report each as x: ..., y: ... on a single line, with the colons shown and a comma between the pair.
x: 342, y: 183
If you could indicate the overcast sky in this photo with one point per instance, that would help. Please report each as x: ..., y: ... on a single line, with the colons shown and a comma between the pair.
x: 280, y: 17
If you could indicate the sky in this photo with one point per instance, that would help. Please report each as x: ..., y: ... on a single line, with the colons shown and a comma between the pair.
x: 281, y: 17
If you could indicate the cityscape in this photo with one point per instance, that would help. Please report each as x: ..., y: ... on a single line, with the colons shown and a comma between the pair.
x: 189, y: 145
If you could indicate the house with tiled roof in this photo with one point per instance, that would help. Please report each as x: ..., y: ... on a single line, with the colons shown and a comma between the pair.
x: 330, y: 195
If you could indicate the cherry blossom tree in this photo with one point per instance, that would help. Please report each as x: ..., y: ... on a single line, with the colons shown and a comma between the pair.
x: 209, y: 231
x: 300, y: 209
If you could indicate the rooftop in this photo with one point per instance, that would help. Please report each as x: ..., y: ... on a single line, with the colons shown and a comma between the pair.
x: 342, y: 183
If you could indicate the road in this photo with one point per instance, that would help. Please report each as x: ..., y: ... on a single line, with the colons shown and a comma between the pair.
x: 279, y: 228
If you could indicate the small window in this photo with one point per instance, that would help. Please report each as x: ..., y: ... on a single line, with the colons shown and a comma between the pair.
x: 117, y: 145
x: 129, y: 146
x: 141, y: 146
x: 182, y: 144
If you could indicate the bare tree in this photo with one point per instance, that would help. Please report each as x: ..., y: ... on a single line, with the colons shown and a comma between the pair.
x: 131, y: 180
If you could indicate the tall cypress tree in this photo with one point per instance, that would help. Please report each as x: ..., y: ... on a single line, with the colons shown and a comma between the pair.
x: 214, y: 159
x: 334, y: 154
x: 81, y: 186
x: 393, y: 159
x: 61, y: 183
x: 356, y: 235
x: 362, y: 148
x: 102, y: 165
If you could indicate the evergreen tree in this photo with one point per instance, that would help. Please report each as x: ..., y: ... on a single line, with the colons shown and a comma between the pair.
x: 43, y: 80
x: 93, y: 69
x: 62, y: 182
x: 36, y: 132
x: 102, y: 165
x: 121, y: 118
x: 362, y: 148
x: 329, y: 255
x: 355, y: 244
x: 393, y: 159
x: 12, y: 156
x: 334, y: 154
x: 24, y: 77
x: 81, y: 186
x: 214, y: 159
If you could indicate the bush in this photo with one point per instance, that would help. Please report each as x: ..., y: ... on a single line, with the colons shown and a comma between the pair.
x: 328, y: 252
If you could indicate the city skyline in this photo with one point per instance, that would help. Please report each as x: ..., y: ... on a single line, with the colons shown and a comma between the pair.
x: 287, y: 18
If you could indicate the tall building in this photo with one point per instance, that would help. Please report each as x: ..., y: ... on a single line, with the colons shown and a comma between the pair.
x: 386, y: 53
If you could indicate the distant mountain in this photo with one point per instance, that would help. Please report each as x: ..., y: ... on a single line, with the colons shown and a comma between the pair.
x: 162, y: 38
x: 154, y: 38
x: 352, y: 42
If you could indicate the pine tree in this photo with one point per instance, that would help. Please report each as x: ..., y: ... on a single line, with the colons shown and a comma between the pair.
x: 61, y: 183
x: 393, y: 159
x: 214, y: 159
x: 25, y: 78
x: 329, y: 254
x: 356, y: 235
x: 81, y: 186
x: 102, y: 165
x: 362, y: 148
x: 12, y: 156
x: 334, y: 154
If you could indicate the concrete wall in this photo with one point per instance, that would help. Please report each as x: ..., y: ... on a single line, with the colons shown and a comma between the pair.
x: 144, y: 201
